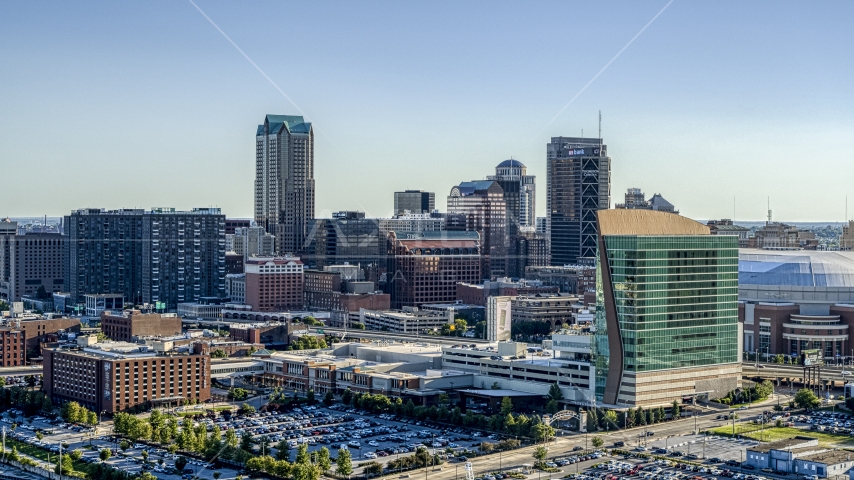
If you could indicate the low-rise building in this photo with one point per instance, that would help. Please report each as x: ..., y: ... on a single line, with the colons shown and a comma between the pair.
x: 117, y: 376
x: 502, y: 287
x: 557, y: 310
x: 410, y: 320
x: 38, y: 330
x: 13, y: 347
x: 572, y: 279
x: 125, y: 325
x: 97, y: 303
x: 235, y: 287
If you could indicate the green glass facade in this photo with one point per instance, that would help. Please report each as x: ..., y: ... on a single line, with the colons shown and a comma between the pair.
x: 676, y: 302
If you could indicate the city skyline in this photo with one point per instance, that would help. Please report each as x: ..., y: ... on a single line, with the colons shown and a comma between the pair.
x: 689, y: 110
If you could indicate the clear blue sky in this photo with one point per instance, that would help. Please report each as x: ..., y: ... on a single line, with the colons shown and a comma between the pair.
x: 123, y: 104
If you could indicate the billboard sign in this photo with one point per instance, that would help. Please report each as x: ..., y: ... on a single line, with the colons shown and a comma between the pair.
x: 811, y: 358
x: 498, y: 319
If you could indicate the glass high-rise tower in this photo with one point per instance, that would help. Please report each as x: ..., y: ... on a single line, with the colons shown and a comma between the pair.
x: 667, y: 309
x: 578, y: 184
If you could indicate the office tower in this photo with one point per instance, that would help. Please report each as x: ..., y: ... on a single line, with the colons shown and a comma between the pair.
x: 30, y: 264
x: 578, y: 185
x: 158, y: 256
x: 426, y: 267
x: 414, y: 201
x: 284, y: 180
x: 274, y: 284
x: 666, y: 309
x: 250, y: 242
x: 635, y: 199
x: 519, y: 194
x: 231, y: 224
x: 482, y: 203
x: 347, y: 237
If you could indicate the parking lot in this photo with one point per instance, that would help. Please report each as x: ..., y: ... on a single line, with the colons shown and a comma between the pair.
x: 614, y: 469
x: 701, y: 447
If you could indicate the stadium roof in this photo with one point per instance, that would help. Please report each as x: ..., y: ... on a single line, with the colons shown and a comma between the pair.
x: 802, y: 268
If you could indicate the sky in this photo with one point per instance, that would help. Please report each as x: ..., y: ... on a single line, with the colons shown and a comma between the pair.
x: 718, y: 106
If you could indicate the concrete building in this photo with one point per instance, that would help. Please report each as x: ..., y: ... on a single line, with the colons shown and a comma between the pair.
x: 126, y: 325
x: 410, y: 320
x: 318, y: 288
x: 846, y: 241
x: 251, y: 242
x: 235, y: 287
x: 519, y: 194
x: 274, y: 283
x: 116, y: 376
x: 500, y: 287
x: 802, y: 456
x: 13, y: 346
x: 161, y: 255
x: 95, y: 304
x: 556, y: 309
x: 485, y: 210
x: 29, y: 263
x: 779, y: 236
x: 635, y: 200
x: 726, y: 227
x: 573, y: 279
x: 675, y: 333
x: 578, y: 184
x: 426, y: 267
x: 284, y: 180
x: 414, y: 201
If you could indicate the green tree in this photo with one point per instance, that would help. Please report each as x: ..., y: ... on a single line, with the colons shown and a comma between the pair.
x: 65, y: 465
x: 216, y: 475
x: 302, y: 453
x: 105, y: 454
x: 181, y: 462
x: 597, y: 441
x: 506, y: 406
x: 238, y: 394
x: 542, y: 432
x: 805, y: 398
x: 552, y: 407
x: 39, y: 435
x: 309, y: 398
x: 540, y: 453
x: 218, y: 353
x: 592, y: 420
x: 144, y: 456
x: 246, y: 409
x: 124, y: 445
x: 323, y: 460
x: 346, y: 397
x: 76, y: 454
x: 344, y: 463
x: 609, y: 418
x: 283, y: 451
x: 675, y: 410
x: 555, y: 393
x: 70, y: 412
x: 328, y: 399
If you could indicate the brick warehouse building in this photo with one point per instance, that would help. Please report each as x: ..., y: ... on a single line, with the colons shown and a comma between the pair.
x: 125, y: 325
x: 274, y: 283
x: 13, y: 350
x: 117, y: 376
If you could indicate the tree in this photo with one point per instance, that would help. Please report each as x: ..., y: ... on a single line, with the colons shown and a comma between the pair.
x: 283, y: 451
x: 597, y: 441
x: 246, y: 409
x: 540, y: 453
x: 805, y: 398
x: 542, y: 432
x: 105, y: 454
x: 309, y: 398
x: 328, y: 399
x: 323, y: 460
x: 555, y: 393
x: 302, y: 454
x: 181, y: 462
x: 609, y: 418
x: 70, y: 412
x: 146, y: 476
x: 76, y: 454
x: 124, y: 445
x: 65, y: 465
x: 346, y: 397
x: 675, y: 411
x: 216, y: 475
x: 238, y: 394
x: 592, y: 420
x: 144, y: 456
x: 39, y: 435
x: 218, y: 353
x: 506, y: 406
x: 344, y: 463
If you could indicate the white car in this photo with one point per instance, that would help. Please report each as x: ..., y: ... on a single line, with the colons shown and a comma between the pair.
x: 370, y: 455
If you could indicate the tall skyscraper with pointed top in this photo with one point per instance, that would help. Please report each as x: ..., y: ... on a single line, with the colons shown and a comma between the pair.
x: 284, y: 179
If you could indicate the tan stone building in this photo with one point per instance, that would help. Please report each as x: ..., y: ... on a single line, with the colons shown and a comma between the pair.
x: 125, y: 325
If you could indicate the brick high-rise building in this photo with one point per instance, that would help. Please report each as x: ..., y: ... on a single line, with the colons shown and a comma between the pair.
x: 284, y: 180
x: 426, y: 267
x: 274, y: 283
x: 116, y: 376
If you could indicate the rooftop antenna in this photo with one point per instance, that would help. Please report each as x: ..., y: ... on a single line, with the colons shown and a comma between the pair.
x: 769, y: 211
x: 600, y: 127
x: 733, y: 209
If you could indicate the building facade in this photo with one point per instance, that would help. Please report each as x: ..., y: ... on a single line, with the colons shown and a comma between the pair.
x: 13, y: 347
x: 846, y: 241
x: 235, y: 287
x: 426, y: 267
x: 113, y: 380
x: 410, y: 320
x: 666, y: 310
x: 232, y: 224
x: 578, y: 185
x: 274, y: 283
x: 127, y: 325
x: 162, y: 255
x: 635, y: 200
x: 251, y: 242
x: 284, y: 180
x: 414, y: 202
x: 485, y: 210
x: 29, y: 263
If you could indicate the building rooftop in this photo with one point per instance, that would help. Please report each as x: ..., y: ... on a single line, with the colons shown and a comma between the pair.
x: 785, y: 444
x: 647, y: 222
x: 830, y: 457
x: 803, y: 268
x: 511, y: 163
